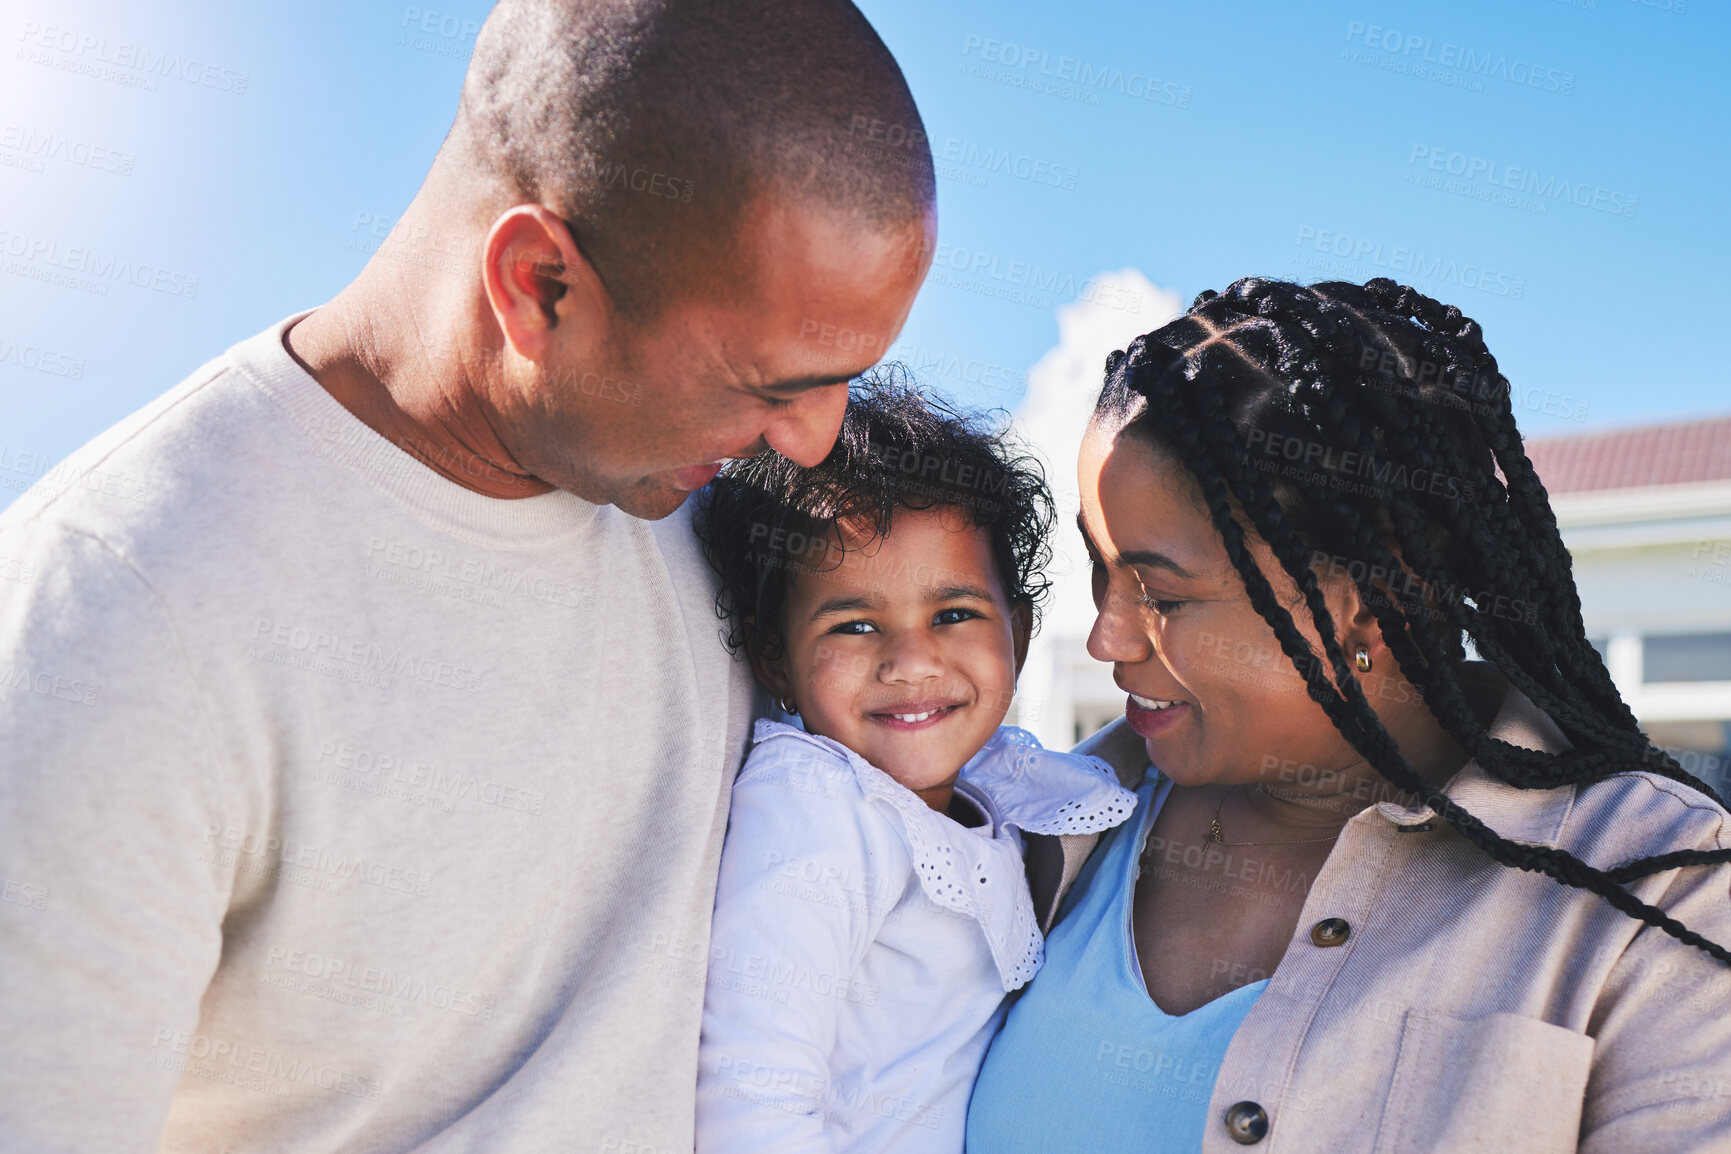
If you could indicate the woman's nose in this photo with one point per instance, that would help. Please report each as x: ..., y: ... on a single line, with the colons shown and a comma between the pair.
x: 1118, y: 635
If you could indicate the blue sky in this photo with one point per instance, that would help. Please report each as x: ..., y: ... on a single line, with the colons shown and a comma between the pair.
x: 185, y: 172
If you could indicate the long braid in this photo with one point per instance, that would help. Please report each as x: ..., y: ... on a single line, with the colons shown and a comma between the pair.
x: 1280, y: 359
x: 1452, y: 705
x: 1529, y: 499
x: 1410, y: 429
x: 1617, y: 735
x: 1540, y: 679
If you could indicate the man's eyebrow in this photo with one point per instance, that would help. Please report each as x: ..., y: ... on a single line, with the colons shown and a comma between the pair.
x: 853, y: 604
x: 1148, y: 557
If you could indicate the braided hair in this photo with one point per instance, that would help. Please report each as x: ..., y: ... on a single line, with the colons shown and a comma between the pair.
x: 1367, y: 430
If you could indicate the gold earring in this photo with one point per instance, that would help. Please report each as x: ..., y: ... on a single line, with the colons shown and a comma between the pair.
x: 1363, y: 659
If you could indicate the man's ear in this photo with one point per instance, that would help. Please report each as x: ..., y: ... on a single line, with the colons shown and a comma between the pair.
x: 1021, y: 630
x: 535, y: 277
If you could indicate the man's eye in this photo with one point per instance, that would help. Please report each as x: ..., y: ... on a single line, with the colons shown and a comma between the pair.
x: 855, y: 627
x: 953, y: 616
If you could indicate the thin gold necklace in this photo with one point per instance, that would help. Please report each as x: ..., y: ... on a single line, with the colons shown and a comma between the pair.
x: 1214, y: 834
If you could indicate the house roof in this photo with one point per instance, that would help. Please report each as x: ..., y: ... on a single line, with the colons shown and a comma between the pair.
x: 1670, y: 454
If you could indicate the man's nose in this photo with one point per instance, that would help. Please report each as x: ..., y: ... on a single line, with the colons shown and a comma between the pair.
x: 806, y: 430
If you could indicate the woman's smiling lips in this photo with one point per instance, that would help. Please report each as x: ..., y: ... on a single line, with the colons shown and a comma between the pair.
x: 915, y: 714
x: 1149, y: 716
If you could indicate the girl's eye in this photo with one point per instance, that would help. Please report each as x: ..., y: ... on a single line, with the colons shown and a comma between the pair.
x: 952, y: 616
x: 1162, y: 607
x: 855, y: 627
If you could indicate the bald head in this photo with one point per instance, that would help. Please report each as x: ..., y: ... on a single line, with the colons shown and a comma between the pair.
x: 651, y: 126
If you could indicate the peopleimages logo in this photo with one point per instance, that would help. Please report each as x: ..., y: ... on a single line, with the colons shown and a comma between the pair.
x: 1343, y: 254
x: 1493, y: 176
x: 87, y: 268
x: 121, y: 61
x: 975, y: 164
x: 1022, y: 281
x: 1455, y: 63
x: 40, y: 359
x: 25, y: 147
x: 1066, y: 77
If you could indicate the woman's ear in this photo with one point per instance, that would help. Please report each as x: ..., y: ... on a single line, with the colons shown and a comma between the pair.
x: 1357, y: 625
x: 1021, y: 630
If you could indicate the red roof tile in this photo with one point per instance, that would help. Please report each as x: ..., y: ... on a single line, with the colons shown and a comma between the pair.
x: 1635, y: 458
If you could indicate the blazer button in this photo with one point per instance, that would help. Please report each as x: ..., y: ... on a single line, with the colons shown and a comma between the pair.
x: 1330, y: 932
x: 1247, y: 1123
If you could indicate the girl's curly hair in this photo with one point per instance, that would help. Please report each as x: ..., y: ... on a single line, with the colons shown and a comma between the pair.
x: 765, y: 518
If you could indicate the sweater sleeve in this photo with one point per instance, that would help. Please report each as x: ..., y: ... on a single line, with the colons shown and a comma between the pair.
x: 796, y: 908
x: 113, y: 903
x: 1661, y: 1075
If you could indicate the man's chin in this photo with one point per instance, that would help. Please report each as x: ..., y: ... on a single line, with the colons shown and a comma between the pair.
x: 649, y: 498
x: 649, y: 501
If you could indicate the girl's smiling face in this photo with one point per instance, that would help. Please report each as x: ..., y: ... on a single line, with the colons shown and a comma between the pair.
x: 905, y: 650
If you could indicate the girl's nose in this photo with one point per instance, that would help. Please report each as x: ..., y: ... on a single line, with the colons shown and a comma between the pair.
x: 911, y: 657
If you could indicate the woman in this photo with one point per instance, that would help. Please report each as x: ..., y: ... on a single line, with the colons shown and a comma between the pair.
x: 1375, y: 896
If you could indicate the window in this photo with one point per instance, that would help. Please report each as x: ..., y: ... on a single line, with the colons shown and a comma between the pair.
x: 1687, y: 657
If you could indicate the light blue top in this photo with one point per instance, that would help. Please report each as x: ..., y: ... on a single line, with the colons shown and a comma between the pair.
x: 1086, y: 1060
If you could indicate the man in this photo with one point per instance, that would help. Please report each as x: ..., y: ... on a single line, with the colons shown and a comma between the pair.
x: 364, y: 757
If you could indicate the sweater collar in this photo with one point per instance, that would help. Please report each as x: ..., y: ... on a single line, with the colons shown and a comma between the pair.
x: 331, y: 432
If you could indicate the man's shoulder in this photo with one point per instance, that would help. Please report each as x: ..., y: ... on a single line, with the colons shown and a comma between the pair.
x: 167, y: 462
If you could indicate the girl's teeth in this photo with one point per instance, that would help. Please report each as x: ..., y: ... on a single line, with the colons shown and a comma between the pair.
x: 913, y: 717
x: 1151, y: 702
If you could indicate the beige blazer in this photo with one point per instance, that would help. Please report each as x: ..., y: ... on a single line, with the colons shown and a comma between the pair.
x: 1472, y: 1006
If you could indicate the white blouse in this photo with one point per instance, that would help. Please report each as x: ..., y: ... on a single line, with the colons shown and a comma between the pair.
x: 863, y: 942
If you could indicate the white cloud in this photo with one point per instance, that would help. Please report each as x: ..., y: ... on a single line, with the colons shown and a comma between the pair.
x: 1062, y: 386
x: 1114, y: 309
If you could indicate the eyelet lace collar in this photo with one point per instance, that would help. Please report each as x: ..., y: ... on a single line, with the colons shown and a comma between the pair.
x: 978, y: 873
x: 1043, y: 790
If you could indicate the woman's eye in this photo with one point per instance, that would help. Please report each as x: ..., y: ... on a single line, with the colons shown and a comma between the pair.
x: 855, y: 627
x: 1163, y: 607
x: 952, y: 616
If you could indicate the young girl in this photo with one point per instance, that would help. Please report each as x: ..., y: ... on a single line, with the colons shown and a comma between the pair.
x: 873, y: 910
